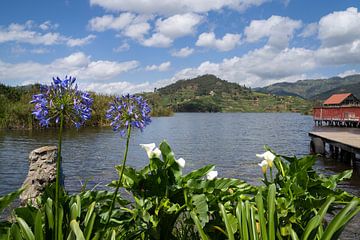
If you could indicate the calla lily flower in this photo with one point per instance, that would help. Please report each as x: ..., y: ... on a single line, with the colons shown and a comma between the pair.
x: 267, y: 156
x: 211, y: 175
x: 151, y: 150
x: 181, y: 162
x: 264, y: 164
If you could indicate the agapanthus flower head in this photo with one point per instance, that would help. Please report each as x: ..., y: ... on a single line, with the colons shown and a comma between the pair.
x: 62, y: 97
x: 128, y: 110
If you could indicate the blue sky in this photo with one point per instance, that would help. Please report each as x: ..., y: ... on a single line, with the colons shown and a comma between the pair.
x: 118, y: 46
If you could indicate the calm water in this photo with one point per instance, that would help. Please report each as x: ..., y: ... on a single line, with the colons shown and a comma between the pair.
x: 229, y: 140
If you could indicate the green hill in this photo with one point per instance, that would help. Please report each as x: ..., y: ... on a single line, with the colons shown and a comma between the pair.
x: 208, y: 93
x: 316, y: 89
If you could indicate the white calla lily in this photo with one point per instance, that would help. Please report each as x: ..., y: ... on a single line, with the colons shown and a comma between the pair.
x: 151, y: 150
x: 267, y: 156
x: 264, y: 164
x: 156, y: 152
x: 180, y: 162
x: 211, y: 175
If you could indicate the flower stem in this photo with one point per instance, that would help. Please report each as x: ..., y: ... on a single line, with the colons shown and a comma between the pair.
x: 120, y: 176
x: 58, y: 176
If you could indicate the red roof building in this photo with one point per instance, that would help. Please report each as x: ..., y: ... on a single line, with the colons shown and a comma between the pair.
x: 337, y: 98
x: 339, y: 110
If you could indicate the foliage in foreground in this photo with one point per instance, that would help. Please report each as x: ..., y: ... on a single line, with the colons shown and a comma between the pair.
x: 293, y: 203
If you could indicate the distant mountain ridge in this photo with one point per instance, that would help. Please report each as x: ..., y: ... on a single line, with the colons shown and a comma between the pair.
x: 316, y: 89
x: 209, y: 93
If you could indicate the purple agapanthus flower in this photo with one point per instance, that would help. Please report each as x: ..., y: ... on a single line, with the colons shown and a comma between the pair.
x: 128, y: 110
x: 62, y: 96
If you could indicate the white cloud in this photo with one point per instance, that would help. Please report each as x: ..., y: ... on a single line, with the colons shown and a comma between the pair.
x: 227, y: 43
x: 340, y: 28
x: 167, y: 30
x: 178, y: 25
x: 39, y: 50
x: 161, y: 68
x: 128, y: 24
x: 117, y: 87
x: 348, y: 73
x: 122, y: 48
x: 341, y: 54
x: 74, y: 42
x: 107, y: 22
x: 25, y: 34
x: 137, y: 30
x: 309, y: 30
x: 279, y: 30
x: 157, y: 40
x: 183, y: 52
x: 77, y: 64
x: 258, y: 67
x: 47, y: 25
x: 170, y: 7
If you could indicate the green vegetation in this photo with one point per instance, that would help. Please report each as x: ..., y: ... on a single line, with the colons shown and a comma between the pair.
x: 15, y: 110
x: 296, y: 203
x: 317, y: 89
x: 210, y: 94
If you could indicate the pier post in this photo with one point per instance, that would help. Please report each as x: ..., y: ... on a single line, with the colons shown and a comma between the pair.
x: 331, y: 151
x: 318, y: 145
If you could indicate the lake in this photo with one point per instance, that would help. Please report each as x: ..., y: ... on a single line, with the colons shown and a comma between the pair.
x: 228, y: 140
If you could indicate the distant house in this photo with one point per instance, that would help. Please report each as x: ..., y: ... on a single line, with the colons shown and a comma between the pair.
x: 342, y: 110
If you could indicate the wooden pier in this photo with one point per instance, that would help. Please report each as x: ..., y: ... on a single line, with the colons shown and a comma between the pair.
x: 340, y: 143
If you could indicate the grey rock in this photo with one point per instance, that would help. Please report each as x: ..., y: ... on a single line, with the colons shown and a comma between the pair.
x: 42, y: 172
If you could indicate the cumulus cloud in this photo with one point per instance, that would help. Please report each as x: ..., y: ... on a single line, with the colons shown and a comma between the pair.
x: 25, y: 33
x: 183, y: 52
x: 178, y: 25
x: 158, y: 40
x: 122, y: 48
x: 348, y: 73
x: 73, y: 42
x: 161, y: 67
x: 167, y: 30
x: 122, y: 87
x: 309, y: 30
x: 279, y: 30
x: 171, y: 7
x: 258, y: 67
x: 107, y: 22
x: 227, y: 43
x: 128, y: 24
x: 77, y: 64
x: 339, y: 28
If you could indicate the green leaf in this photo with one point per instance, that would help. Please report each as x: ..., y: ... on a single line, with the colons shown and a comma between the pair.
x: 199, y: 173
x: 49, y: 212
x: 74, y: 225
x: 7, y: 199
x: 89, y: 213
x: 271, y: 211
x: 201, y: 208
x: 39, y: 235
x: 228, y: 225
x: 198, y: 225
x: 341, y: 219
x: 25, y: 229
x: 89, y: 226
x: 15, y: 232
x: 261, y: 211
x: 74, y: 211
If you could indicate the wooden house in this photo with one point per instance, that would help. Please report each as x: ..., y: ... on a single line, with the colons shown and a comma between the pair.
x: 338, y: 110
